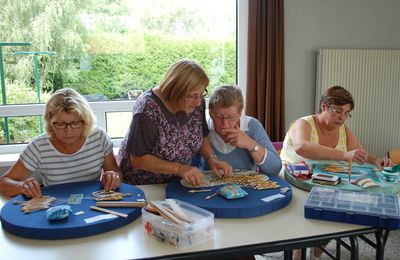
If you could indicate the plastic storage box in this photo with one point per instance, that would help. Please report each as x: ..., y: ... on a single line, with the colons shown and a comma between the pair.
x: 201, y: 230
x: 362, y: 208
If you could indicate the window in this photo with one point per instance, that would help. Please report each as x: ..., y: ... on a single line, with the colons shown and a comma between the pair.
x: 110, y: 51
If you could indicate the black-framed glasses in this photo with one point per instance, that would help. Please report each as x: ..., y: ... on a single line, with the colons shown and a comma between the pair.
x: 196, y: 97
x: 222, y: 117
x: 338, y: 111
x: 63, y: 125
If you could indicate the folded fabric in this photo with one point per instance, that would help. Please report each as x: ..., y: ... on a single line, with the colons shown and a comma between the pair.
x: 58, y: 212
x: 232, y: 191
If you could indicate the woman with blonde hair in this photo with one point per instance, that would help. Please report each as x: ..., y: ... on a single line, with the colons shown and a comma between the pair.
x: 72, y: 149
x: 168, y: 128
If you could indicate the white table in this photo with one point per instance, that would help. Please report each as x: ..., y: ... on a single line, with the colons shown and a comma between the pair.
x: 282, y: 230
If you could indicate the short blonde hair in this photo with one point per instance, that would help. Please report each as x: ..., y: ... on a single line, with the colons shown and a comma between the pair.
x: 226, y: 96
x: 181, y: 78
x: 69, y: 101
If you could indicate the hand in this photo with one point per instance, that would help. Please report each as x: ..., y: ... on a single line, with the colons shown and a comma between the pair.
x: 31, y: 188
x: 357, y: 155
x: 383, y: 162
x: 238, y: 138
x: 220, y: 168
x: 110, y: 179
x: 190, y: 174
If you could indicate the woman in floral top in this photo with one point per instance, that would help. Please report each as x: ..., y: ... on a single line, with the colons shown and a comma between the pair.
x: 168, y: 128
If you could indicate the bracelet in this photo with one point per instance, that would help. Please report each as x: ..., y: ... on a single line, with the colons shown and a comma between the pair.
x: 211, y: 156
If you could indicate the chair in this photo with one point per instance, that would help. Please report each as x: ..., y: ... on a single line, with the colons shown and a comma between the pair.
x: 278, y: 146
x: 394, y: 155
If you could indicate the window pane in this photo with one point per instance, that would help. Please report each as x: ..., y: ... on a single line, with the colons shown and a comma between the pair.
x: 106, y: 48
x: 118, y: 123
x: 21, y: 129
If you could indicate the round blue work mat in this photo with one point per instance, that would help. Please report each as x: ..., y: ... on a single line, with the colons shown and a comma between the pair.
x: 35, y: 225
x: 246, y: 207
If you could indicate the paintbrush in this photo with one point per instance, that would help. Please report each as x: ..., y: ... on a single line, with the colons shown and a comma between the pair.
x: 349, y: 170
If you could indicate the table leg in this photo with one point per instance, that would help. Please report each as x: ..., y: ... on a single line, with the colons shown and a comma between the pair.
x: 354, y: 247
x: 288, y: 255
x: 303, y: 253
x: 337, y: 249
x: 379, y: 245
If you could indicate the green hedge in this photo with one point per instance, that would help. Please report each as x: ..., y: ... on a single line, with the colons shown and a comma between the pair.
x: 114, y: 74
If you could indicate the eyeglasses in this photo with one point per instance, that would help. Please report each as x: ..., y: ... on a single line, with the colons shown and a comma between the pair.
x: 221, y: 117
x: 338, y: 111
x: 63, y: 125
x: 196, y: 97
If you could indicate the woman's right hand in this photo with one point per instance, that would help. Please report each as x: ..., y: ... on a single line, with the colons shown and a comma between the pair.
x: 357, y: 155
x: 31, y: 188
x: 190, y: 174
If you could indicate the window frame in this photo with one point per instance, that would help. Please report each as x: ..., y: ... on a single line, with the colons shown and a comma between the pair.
x: 101, y: 109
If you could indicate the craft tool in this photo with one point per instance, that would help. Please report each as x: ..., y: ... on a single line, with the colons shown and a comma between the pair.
x: 349, y: 170
x: 121, y: 204
x: 109, y: 211
x: 178, y: 215
x: 284, y: 190
x: 175, y: 207
x: 194, y: 191
x: 165, y: 213
x: 212, y: 195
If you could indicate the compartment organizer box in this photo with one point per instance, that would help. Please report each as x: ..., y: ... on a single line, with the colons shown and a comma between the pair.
x: 362, y: 208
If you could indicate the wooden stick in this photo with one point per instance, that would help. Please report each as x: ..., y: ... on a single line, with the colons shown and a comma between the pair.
x: 212, y: 195
x: 176, y: 208
x: 194, y: 191
x: 349, y: 170
x: 165, y: 214
x: 179, y: 216
x: 109, y: 211
x: 121, y: 204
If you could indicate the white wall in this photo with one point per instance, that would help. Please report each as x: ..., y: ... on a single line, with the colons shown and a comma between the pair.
x: 314, y: 24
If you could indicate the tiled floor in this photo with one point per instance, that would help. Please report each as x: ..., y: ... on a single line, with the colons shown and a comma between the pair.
x: 366, y: 252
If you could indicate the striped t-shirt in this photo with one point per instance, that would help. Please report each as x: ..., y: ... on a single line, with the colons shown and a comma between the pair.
x: 56, y: 168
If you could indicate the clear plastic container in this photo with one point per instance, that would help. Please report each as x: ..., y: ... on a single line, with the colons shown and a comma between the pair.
x: 180, y: 236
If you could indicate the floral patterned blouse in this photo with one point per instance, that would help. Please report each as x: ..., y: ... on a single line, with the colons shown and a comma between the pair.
x: 156, y: 131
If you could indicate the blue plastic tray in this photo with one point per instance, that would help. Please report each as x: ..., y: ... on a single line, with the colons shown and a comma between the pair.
x: 370, y: 209
x: 250, y: 206
x: 36, y: 226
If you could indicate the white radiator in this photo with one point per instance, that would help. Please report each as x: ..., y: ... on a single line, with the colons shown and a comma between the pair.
x: 373, y: 79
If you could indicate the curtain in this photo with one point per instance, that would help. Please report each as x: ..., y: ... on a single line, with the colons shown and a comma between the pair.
x: 265, y: 72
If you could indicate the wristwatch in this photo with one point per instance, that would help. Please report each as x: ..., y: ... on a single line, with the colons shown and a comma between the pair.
x: 255, y: 148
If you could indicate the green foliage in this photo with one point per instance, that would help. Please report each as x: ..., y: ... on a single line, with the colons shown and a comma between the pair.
x: 22, y: 129
x: 109, y: 47
x: 50, y: 25
x: 114, y: 74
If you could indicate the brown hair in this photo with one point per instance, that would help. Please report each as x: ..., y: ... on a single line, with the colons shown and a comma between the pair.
x: 69, y: 101
x: 226, y: 96
x: 181, y: 78
x: 338, y: 96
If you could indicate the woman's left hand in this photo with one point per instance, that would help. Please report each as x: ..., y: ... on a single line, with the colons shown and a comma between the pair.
x: 110, y: 179
x: 220, y: 168
x: 383, y: 162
